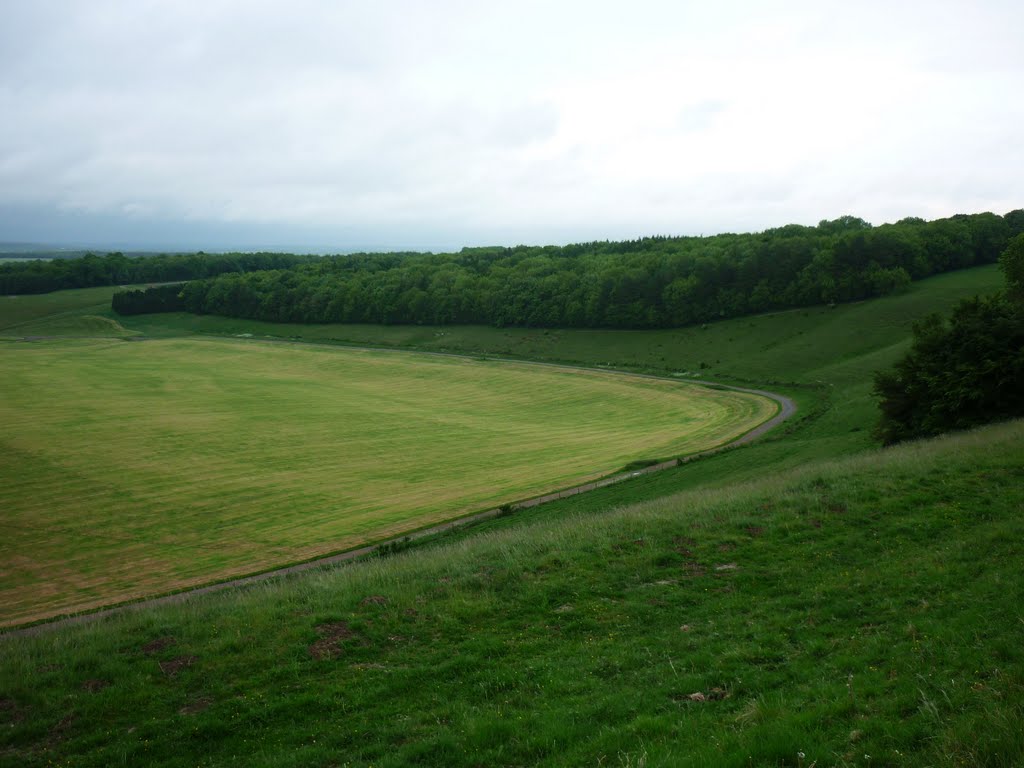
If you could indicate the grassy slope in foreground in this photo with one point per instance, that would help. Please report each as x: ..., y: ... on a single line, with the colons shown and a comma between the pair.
x: 864, y: 612
x: 135, y: 469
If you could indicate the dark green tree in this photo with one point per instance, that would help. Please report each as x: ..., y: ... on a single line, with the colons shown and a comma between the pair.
x: 652, y: 282
x: 961, y: 373
x: 1012, y: 264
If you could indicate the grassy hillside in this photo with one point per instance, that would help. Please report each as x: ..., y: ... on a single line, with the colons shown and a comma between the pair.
x: 135, y: 469
x: 860, y: 612
x: 786, y: 346
x: 38, y: 315
x: 824, y: 357
x: 836, y: 609
x: 825, y: 354
x: 837, y: 346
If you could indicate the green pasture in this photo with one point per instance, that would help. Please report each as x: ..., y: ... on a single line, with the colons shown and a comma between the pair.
x: 811, y: 600
x: 51, y: 313
x: 856, y: 613
x: 823, y: 356
x: 134, y: 468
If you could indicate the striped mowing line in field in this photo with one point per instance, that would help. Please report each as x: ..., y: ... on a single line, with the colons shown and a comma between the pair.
x: 131, y: 469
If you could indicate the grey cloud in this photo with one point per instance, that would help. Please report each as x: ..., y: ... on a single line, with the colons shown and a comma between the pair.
x: 415, y: 124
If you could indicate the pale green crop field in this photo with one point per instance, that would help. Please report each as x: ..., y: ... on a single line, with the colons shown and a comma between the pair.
x: 134, y: 468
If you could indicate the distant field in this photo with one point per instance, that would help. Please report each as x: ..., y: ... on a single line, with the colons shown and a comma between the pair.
x: 136, y: 468
x: 36, y: 315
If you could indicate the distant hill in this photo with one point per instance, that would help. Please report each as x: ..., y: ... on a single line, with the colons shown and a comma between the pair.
x: 45, y: 251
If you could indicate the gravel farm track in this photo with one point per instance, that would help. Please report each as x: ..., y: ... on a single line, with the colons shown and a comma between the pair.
x: 786, y: 409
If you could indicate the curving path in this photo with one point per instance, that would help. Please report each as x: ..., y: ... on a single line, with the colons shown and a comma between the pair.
x: 786, y: 409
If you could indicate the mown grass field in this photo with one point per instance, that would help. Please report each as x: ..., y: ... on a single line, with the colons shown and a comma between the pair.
x: 823, y: 357
x: 132, y: 469
x: 859, y: 612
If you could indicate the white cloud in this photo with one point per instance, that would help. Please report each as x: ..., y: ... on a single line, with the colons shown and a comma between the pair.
x: 527, y: 120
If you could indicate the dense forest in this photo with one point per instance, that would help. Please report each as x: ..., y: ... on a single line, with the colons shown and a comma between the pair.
x: 962, y: 371
x: 648, y: 283
x: 43, y: 276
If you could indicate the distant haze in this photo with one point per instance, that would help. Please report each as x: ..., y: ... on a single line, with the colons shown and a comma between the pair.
x: 336, y: 125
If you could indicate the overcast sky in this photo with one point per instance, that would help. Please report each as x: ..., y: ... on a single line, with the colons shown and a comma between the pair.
x: 337, y: 125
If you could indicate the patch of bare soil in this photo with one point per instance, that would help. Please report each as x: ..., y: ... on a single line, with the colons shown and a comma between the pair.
x: 692, y: 569
x: 684, y: 547
x: 95, y: 686
x: 174, y: 666
x: 700, y: 697
x: 9, y: 712
x: 331, y: 637
x: 196, y: 706
x: 374, y: 600
x: 157, y: 645
x: 755, y: 531
x: 59, y: 732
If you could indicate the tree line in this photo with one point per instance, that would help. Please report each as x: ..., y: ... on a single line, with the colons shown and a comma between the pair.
x: 43, y: 276
x: 962, y: 371
x: 652, y: 282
